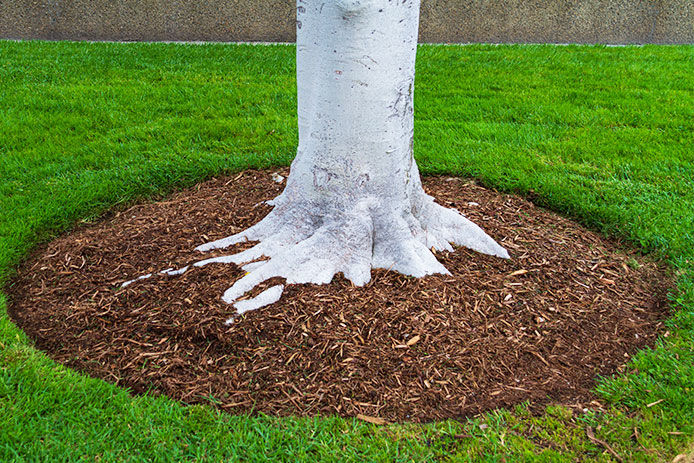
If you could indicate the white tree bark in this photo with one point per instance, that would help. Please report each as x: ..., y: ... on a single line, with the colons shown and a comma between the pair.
x: 353, y: 200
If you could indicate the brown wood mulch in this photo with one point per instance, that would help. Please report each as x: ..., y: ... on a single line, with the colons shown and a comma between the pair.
x: 569, y: 305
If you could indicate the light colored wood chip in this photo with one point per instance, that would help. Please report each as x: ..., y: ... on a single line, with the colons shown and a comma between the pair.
x: 372, y: 419
x: 517, y: 272
x: 654, y: 403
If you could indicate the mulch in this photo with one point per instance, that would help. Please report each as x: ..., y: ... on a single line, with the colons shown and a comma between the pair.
x: 570, y: 305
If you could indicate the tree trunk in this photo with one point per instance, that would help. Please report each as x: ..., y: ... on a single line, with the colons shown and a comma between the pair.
x: 353, y: 200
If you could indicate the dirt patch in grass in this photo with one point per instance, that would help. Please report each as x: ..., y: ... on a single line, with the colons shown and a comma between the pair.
x: 568, y: 306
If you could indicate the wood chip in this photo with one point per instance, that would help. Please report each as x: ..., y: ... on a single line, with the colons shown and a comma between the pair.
x: 372, y: 419
x: 605, y: 445
x: 655, y: 403
x: 517, y: 272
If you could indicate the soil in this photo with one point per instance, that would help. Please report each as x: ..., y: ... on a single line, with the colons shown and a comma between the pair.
x: 568, y: 306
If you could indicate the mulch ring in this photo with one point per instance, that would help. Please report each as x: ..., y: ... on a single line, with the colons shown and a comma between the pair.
x: 569, y: 305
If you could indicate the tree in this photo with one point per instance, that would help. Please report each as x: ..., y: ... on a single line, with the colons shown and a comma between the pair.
x: 354, y: 199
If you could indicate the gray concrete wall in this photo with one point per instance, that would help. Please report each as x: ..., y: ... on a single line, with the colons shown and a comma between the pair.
x: 554, y: 21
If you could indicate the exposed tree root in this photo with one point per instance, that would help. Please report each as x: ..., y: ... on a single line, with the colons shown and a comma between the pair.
x: 297, y: 245
x: 300, y: 242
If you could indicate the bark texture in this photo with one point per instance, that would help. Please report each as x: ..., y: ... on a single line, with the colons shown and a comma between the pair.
x: 353, y: 200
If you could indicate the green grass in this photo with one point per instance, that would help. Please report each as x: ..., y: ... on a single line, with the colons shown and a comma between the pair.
x: 605, y: 135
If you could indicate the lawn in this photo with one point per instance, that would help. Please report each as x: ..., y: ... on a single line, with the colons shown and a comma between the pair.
x: 604, y: 135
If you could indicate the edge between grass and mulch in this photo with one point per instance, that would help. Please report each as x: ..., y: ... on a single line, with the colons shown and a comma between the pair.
x: 51, y: 412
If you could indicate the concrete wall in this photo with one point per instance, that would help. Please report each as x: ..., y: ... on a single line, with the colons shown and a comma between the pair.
x: 558, y: 21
